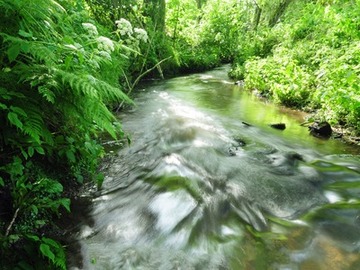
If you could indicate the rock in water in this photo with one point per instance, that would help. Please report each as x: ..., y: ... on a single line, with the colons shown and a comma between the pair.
x: 280, y: 126
x: 320, y: 129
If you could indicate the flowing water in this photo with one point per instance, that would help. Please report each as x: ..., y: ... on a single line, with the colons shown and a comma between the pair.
x: 207, y: 184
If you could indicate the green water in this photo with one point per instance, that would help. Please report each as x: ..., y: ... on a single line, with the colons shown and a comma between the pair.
x: 199, y: 188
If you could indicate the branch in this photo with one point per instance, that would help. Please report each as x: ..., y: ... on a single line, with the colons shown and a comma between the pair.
x: 131, y: 87
x: 12, y: 222
x: 147, y: 71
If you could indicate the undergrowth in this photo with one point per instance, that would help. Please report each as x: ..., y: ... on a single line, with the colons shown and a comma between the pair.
x: 313, y: 64
x: 59, y: 73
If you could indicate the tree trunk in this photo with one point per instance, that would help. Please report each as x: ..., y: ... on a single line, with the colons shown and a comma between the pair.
x: 280, y: 10
x: 155, y: 9
x: 200, y: 3
x: 257, y: 17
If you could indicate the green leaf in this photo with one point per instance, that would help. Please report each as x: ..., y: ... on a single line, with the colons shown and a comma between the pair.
x: 54, y: 187
x: 47, y: 93
x: 34, y: 209
x: 32, y: 237
x: 18, y: 110
x: 79, y: 177
x: 2, y: 182
x: 25, y: 34
x: 68, y: 61
x: 3, y: 106
x: 40, y: 150
x: 50, y: 242
x: 13, y: 118
x: 13, y: 51
x: 14, y: 238
x: 24, y: 153
x: 46, y: 251
x: 99, y: 179
x: 15, y: 168
x: 31, y: 151
x: 40, y: 223
x: 70, y: 155
x: 128, y: 140
x: 48, y: 185
x: 65, y: 203
x: 25, y: 47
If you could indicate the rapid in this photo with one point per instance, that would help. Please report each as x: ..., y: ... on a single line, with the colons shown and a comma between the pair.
x: 206, y: 183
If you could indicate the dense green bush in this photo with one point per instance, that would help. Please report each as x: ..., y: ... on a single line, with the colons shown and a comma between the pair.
x: 59, y: 72
x: 203, y: 37
x: 314, y: 62
x: 281, y: 78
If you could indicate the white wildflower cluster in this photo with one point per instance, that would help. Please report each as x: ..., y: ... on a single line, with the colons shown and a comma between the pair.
x: 141, y: 34
x: 100, y: 47
x: 92, y: 30
x: 124, y: 27
x: 105, y: 44
x: 126, y: 31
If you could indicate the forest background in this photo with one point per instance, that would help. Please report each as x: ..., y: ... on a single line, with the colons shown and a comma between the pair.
x: 68, y: 65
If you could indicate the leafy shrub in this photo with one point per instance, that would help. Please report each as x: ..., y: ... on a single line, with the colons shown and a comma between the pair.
x: 314, y: 63
x: 281, y: 78
x: 60, y: 71
x: 337, y: 85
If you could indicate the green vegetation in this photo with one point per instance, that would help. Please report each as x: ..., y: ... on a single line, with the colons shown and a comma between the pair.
x: 66, y: 65
x: 60, y: 72
x: 309, y: 59
x: 303, y: 54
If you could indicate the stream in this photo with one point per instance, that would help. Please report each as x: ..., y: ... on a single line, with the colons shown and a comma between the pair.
x: 206, y: 183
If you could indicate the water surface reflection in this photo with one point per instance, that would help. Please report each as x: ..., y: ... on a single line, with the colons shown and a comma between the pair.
x: 199, y: 189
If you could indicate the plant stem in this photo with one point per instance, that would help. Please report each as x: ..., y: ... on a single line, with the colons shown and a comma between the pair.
x: 131, y: 87
x: 12, y: 222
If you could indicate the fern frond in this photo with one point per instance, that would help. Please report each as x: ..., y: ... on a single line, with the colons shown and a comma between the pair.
x: 88, y: 85
x: 111, y: 93
x: 34, y: 125
x: 42, y: 53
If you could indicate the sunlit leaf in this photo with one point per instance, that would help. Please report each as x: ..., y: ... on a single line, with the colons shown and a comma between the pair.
x: 25, y: 34
x: 46, y: 251
x: 65, y: 203
x: 13, y: 118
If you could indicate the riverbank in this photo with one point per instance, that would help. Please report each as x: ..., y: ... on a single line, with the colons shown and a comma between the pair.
x: 308, y: 61
x: 340, y: 132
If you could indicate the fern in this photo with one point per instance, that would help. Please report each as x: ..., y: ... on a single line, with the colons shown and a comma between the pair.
x: 35, y: 126
x: 54, y: 91
x: 89, y: 97
x: 42, y: 53
x: 88, y: 85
